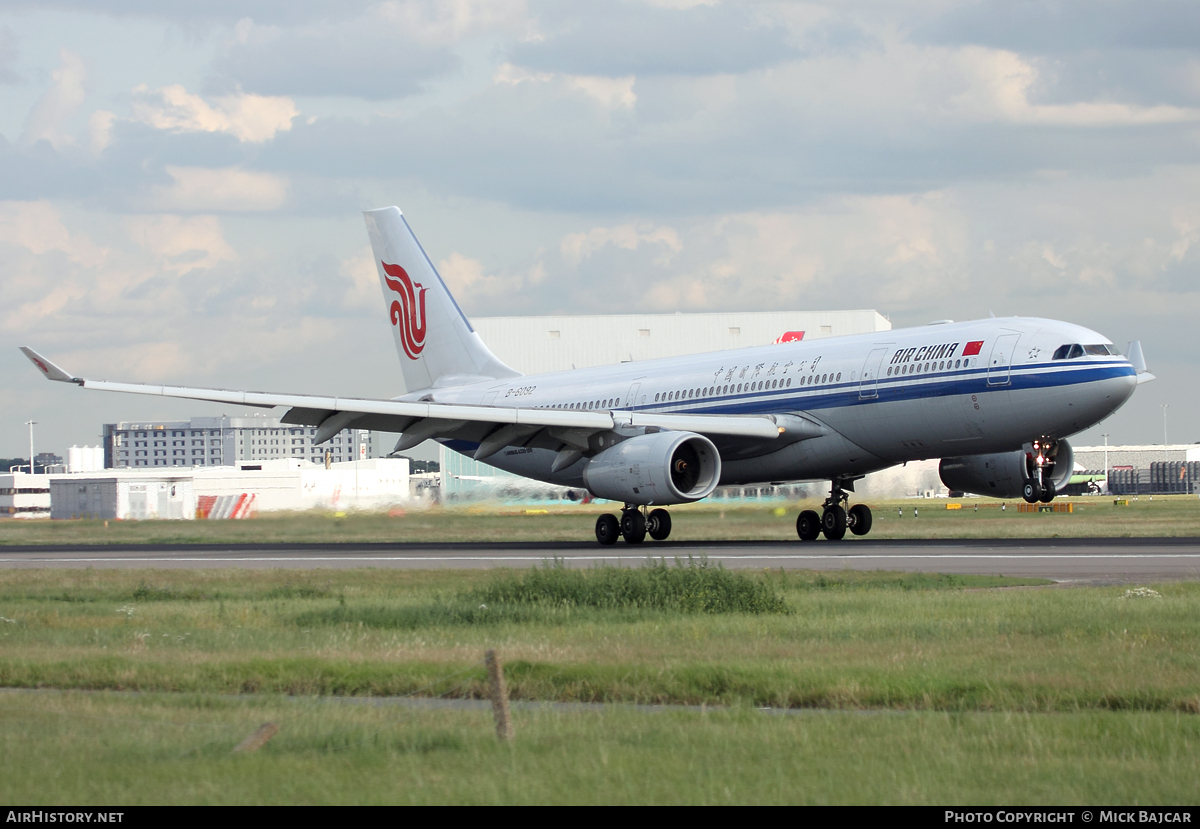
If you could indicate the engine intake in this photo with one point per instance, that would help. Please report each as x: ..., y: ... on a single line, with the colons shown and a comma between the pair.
x: 659, y: 468
x: 1002, y: 475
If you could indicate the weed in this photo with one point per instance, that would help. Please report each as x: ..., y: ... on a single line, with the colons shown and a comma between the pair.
x: 691, y: 587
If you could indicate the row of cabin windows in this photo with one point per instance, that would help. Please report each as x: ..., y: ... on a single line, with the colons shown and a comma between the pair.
x: 607, y: 403
x: 732, y: 388
x: 916, y: 368
x: 737, y: 388
x: 690, y: 394
x: 1072, y: 350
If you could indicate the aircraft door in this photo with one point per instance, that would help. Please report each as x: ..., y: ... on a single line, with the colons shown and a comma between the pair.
x: 1000, y: 363
x: 868, y: 384
x: 631, y: 398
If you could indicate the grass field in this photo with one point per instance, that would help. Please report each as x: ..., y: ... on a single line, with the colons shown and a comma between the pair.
x: 910, y: 688
x: 851, y: 640
x: 918, y: 689
x: 73, y: 748
x: 978, y: 518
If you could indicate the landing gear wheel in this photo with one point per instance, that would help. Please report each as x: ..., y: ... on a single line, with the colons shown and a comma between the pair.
x: 1031, y: 491
x: 858, y: 519
x: 833, y: 523
x: 1048, y: 492
x: 607, y: 529
x: 808, y: 525
x: 658, y: 524
x: 633, y: 526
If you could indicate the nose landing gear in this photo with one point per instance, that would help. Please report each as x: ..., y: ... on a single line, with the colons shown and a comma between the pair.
x: 835, y: 519
x: 1039, y: 486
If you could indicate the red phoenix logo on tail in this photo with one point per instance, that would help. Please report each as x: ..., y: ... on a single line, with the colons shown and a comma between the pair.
x: 408, y: 312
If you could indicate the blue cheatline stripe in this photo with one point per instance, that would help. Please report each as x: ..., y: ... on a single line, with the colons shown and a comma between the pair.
x: 889, y: 390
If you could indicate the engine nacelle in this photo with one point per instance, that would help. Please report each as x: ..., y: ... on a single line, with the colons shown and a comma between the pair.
x: 1004, y: 474
x: 656, y: 468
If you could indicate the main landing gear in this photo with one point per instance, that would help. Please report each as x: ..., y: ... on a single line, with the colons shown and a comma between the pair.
x: 834, y: 519
x: 634, y: 525
x: 1039, y: 486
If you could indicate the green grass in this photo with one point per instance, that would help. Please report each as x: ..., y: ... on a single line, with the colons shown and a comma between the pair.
x: 908, y: 688
x: 979, y: 518
x: 67, y: 749
x: 851, y: 640
x: 691, y: 587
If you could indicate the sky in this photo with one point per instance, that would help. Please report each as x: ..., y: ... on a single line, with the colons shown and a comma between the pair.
x: 181, y: 183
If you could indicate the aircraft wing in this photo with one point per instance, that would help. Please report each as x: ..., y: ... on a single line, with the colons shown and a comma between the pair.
x: 493, y: 427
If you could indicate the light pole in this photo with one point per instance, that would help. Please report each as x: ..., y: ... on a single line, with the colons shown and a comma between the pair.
x: 1164, y: 408
x: 1105, y: 436
x: 30, y: 424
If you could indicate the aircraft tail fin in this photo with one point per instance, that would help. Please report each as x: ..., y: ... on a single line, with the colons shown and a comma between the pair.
x: 436, y: 343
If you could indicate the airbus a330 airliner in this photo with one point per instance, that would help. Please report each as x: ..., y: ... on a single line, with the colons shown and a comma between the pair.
x: 994, y: 399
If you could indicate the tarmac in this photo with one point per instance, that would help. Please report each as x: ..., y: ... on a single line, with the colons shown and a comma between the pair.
x: 1072, y: 560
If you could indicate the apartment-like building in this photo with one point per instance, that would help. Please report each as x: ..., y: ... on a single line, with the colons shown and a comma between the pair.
x: 224, y: 441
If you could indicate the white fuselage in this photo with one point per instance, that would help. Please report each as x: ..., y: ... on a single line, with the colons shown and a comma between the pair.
x: 886, y: 397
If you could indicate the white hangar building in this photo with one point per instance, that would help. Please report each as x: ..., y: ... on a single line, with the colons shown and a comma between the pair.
x: 536, y: 345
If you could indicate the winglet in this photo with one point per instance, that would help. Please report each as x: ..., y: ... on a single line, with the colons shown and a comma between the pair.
x: 1134, y: 355
x: 1136, y: 359
x: 48, y: 368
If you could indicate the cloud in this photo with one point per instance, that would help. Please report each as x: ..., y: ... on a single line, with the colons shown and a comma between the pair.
x: 182, y: 244
x: 576, y: 247
x: 58, y: 103
x: 610, y: 93
x: 999, y: 85
x: 616, y: 39
x: 253, y: 118
x: 204, y: 11
x: 465, y: 277
x: 231, y: 188
x: 1064, y: 26
x: 373, y: 57
x: 8, y: 56
x: 38, y: 228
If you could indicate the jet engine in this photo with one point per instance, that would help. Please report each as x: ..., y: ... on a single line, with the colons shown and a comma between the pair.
x: 655, y: 468
x: 1003, y: 475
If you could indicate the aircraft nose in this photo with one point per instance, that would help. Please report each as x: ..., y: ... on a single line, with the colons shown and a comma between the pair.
x: 1112, y: 393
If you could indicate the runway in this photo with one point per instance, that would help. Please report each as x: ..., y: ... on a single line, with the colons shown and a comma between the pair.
x: 1091, y: 560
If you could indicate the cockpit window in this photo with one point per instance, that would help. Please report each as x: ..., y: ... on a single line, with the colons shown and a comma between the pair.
x: 1072, y: 350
